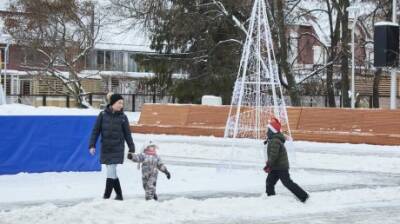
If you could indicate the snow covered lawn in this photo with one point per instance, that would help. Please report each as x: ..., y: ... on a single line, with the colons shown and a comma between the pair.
x: 218, y: 181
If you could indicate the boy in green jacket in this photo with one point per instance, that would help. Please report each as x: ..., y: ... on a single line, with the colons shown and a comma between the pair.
x: 277, y: 165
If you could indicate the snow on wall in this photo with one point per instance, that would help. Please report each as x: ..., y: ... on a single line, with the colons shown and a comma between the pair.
x: 23, y: 110
x: 19, y: 109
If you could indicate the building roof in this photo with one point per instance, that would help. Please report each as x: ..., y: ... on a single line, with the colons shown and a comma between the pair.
x: 122, y: 35
x: 4, y: 4
x: 118, y: 33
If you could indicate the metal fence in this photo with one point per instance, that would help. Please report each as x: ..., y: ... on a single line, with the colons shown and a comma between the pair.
x: 132, y: 102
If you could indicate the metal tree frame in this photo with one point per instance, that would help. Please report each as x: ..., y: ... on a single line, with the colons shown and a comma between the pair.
x: 257, y: 94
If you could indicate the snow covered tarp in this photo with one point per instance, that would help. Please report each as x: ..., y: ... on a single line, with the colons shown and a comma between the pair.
x: 45, y: 142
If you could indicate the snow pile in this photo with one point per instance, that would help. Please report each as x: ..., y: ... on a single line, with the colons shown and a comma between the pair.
x: 211, y: 100
x: 20, y: 109
x: 217, y: 210
x: 25, y: 110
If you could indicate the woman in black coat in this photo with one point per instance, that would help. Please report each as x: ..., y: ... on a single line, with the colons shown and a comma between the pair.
x: 113, y: 126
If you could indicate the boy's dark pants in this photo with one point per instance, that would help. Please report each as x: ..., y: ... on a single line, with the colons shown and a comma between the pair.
x: 284, y: 176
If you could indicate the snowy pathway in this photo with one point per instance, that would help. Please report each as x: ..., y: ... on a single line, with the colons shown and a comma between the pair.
x: 348, y: 184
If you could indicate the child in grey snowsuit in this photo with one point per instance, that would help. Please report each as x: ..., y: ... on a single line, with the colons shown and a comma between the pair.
x: 150, y: 164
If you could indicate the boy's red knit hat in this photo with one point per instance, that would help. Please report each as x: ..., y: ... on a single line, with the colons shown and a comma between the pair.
x: 275, y: 125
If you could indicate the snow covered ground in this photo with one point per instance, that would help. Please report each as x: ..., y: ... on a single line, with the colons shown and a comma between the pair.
x: 210, y: 184
x: 214, y: 180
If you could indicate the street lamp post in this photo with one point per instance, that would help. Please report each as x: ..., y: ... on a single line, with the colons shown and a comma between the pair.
x: 393, y: 73
x: 356, y: 10
x: 353, y: 64
x: 5, y: 68
x: 7, y: 38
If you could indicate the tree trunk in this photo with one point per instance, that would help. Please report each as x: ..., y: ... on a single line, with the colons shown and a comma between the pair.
x: 283, y: 54
x: 345, y: 53
x: 335, y: 31
x: 375, y: 90
x: 77, y: 90
x: 329, y: 83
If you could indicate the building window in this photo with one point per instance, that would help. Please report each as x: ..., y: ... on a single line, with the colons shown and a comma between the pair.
x: 8, y: 85
x: 136, y: 66
x: 26, y: 87
x: 2, y: 57
x: 108, y: 60
x: 305, y: 45
x: 100, y: 60
x: 112, y: 60
x: 117, y: 62
x: 132, y: 65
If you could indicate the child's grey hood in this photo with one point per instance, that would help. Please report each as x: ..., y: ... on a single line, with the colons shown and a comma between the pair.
x: 147, y: 144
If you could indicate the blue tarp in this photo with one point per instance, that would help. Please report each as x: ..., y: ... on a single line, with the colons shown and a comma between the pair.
x: 46, y: 144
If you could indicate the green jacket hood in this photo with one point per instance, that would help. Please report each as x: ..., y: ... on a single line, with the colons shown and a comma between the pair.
x: 279, y: 136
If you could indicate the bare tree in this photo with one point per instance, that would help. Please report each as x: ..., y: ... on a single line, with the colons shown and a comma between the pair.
x: 382, y: 12
x: 279, y: 10
x: 343, y: 16
x: 337, y: 48
x: 61, y: 32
